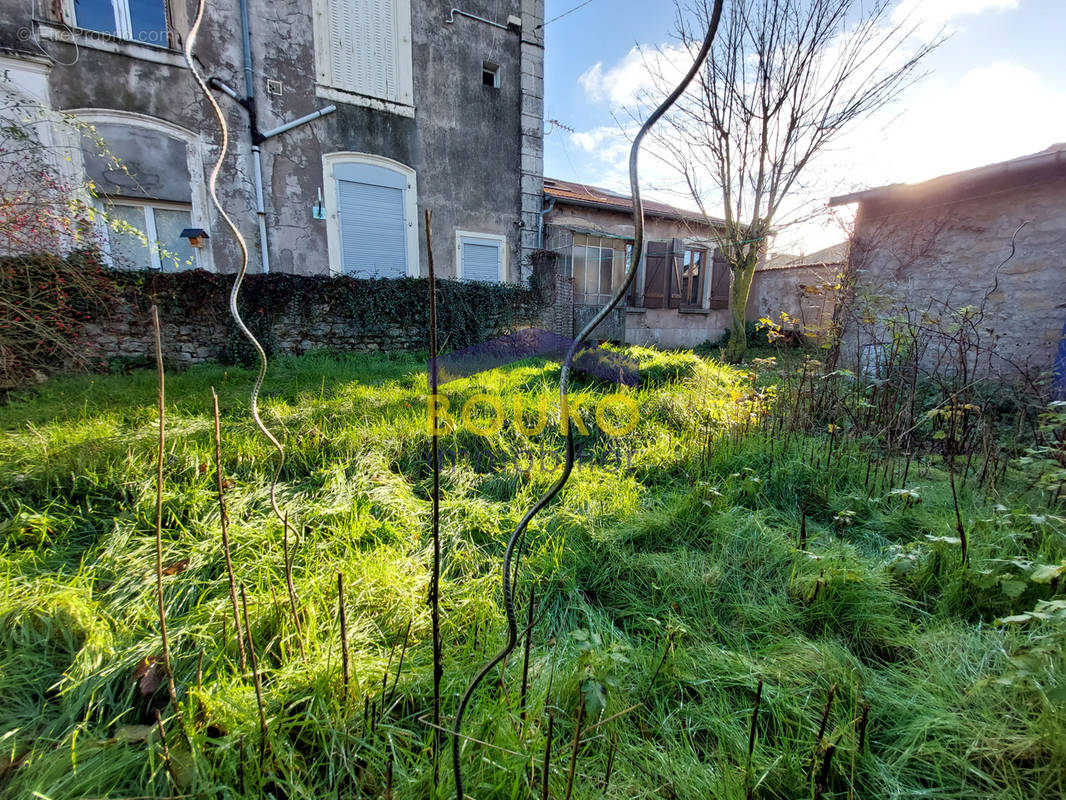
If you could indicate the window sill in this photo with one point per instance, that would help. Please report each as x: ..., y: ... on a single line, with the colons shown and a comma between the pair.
x: 94, y: 40
x: 341, y: 96
x: 701, y: 311
x: 635, y: 310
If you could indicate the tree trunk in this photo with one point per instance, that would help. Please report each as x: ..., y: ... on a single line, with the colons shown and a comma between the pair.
x: 743, y: 275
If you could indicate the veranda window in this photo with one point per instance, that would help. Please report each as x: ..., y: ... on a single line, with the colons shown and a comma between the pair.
x: 598, y: 268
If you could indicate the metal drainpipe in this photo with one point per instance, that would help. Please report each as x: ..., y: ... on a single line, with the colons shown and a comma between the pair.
x: 540, y: 221
x: 253, y: 129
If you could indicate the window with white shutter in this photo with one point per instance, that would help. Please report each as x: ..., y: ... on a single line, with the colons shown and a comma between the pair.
x: 370, y: 211
x: 363, y: 51
x: 480, y: 257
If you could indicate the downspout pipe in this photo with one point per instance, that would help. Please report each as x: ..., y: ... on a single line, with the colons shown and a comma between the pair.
x: 288, y: 126
x: 540, y: 220
x: 258, y: 137
x: 253, y: 129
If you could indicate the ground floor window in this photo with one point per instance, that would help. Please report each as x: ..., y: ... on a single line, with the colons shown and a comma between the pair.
x: 371, y: 212
x: 145, y: 235
x: 693, y: 272
x: 480, y: 257
x: 598, y: 266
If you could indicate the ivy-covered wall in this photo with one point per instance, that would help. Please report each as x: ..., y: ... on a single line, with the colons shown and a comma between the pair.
x: 293, y: 314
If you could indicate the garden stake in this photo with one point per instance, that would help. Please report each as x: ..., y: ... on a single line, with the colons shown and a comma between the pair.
x: 344, y: 634
x: 751, y: 740
x: 255, y: 679
x: 399, y: 666
x: 654, y: 675
x: 564, y: 410
x: 525, y: 656
x: 291, y: 588
x: 434, y: 454
x: 861, y: 728
x: 823, y: 775
x: 547, y: 759
x: 821, y: 726
x: 224, y: 522
x: 864, y: 719
x: 171, y: 689
x: 574, y: 749
x: 610, y: 765
x: 958, y: 515
x: 166, y: 750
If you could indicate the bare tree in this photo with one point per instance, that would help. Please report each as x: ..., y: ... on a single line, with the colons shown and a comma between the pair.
x: 784, y: 80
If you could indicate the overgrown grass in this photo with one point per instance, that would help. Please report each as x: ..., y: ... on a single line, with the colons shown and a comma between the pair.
x: 667, y: 584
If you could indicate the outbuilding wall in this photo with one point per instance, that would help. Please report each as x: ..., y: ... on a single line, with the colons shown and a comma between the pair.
x: 926, y: 260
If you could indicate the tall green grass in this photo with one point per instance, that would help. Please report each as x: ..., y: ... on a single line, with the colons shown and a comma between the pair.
x: 668, y: 578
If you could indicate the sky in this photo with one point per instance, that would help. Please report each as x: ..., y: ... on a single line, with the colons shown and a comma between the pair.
x: 995, y: 89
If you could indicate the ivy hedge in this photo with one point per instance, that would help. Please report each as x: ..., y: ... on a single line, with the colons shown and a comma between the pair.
x: 468, y: 313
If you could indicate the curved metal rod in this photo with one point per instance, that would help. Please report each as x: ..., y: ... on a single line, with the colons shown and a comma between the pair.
x: 564, y: 383
x: 212, y: 186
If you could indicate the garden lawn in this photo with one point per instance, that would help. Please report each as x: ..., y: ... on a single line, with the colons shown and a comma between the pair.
x: 668, y: 580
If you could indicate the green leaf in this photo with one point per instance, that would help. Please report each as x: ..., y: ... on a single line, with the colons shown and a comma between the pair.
x: 595, y: 697
x: 1046, y: 573
x: 1012, y: 588
x: 1057, y: 695
x: 1015, y: 619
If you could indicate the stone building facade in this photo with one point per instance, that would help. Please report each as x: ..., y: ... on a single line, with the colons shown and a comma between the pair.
x: 403, y: 106
x: 680, y: 295
x: 989, y: 241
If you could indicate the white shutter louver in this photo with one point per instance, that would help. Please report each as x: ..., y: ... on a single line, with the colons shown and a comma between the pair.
x: 363, y: 48
x: 481, y: 261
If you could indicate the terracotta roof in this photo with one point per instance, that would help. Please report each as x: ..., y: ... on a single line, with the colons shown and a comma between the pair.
x: 582, y: 194
x: 1053, y: 158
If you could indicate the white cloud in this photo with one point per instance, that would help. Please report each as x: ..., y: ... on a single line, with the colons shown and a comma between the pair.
x: 624, y: 84
x: 991, y: 113
x: 932, y: 16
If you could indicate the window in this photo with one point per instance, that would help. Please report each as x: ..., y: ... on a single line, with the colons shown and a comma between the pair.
x: 143, y: 21
x: 148, y: 236
x: 148, y: 175
x: 480, y: 257
x: 363, y: 48
x: 693, y: 267
x: 490, y: 74
x: 598, y: 268
x: 370, y: 212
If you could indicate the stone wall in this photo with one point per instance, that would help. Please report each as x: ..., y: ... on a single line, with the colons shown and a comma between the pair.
x: 196, y: 325
x: 804, y: 293
x: 925, y: 261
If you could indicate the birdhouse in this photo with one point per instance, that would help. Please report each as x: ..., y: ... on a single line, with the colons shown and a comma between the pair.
x: 195, y: 236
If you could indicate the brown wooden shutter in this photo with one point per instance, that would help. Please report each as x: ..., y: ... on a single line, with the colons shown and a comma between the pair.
x: 675, y: 265
x: 719, y: 280
x: 655, y: 263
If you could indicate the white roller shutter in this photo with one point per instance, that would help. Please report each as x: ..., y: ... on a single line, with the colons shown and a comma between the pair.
x: 481, y: 262
x: 371, y: 220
